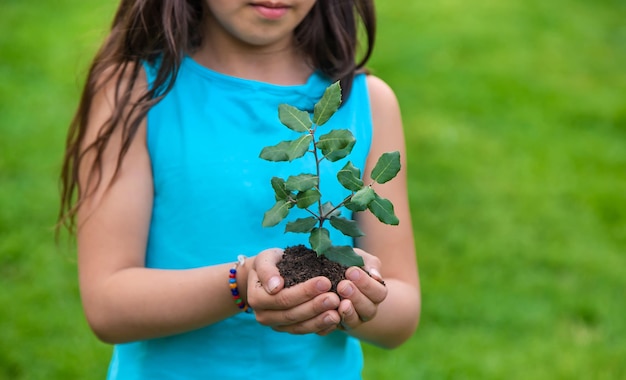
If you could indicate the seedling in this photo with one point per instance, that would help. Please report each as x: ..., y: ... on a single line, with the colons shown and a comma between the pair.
x: 304, y: 190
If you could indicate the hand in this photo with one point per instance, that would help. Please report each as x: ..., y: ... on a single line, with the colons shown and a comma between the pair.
x: 305, y: 308
x: 361, y: 293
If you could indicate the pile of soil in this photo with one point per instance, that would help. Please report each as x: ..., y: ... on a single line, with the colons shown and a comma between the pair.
x: 300, y: 263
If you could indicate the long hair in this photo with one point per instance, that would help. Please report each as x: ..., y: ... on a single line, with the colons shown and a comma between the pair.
x: 147, y: 30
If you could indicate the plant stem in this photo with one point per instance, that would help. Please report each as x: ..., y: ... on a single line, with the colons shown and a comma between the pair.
x: 320, y: 217
x: 346, y: 199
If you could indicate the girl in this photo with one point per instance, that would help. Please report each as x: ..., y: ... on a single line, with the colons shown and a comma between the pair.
x: 163, y: 177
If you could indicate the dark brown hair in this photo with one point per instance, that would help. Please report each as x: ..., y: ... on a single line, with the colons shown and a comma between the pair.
x: 144, y: 30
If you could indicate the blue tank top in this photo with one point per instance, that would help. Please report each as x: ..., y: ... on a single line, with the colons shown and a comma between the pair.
x: 211, y: 190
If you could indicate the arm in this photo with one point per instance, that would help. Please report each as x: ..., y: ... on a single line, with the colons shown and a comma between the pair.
x: 397, y: 316
x: 123, y: 300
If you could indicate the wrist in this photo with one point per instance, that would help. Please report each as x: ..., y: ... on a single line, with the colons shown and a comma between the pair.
x: 238, y: 282
x: 242, y: 277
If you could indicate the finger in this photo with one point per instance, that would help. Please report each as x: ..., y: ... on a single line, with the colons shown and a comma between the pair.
x: 287, y: 298
x: 321, y: 324
x: 363, y: 292
x: 317, y: 315
x: 364, y: 308
x: 300, y: 313
x: 368, y: 286
x: 350, y: 319
x: 372, y: 265
x: 329, y: 330
x: 267, y: 272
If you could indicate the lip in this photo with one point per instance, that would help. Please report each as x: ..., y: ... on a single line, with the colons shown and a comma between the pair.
x: 270, y: 10
x: 270, y: 4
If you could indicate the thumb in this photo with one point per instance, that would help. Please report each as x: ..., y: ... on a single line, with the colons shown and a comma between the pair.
x: 267, y: 271
x: 372, y: 265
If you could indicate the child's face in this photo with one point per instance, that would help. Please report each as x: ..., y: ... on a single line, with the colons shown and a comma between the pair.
x: 261, y: 23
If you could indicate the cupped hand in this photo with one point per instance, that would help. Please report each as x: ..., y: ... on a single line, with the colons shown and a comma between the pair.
x: 305, y: 308
x: 361, y: 292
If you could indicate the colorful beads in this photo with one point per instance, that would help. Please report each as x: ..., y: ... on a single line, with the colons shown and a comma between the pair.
x: 232, y: 284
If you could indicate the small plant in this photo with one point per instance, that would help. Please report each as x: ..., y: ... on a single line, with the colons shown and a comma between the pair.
x: 304, y: 190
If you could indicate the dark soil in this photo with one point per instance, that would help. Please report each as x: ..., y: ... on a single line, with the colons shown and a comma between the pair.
x: 300, y: 263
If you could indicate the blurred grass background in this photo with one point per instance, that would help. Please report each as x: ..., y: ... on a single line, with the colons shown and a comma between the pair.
x: 515, y: 115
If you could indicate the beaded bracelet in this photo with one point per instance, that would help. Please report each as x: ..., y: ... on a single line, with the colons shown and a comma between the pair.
x: 232, y: 283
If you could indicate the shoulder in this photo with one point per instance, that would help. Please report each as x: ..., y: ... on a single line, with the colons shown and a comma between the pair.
x: 381, y: 95
x: 385, y: 111
x: 114, y: 82
x: 114, y: 90
x: 114, y: 93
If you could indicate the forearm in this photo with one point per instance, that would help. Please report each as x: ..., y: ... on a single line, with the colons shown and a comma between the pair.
x: 141, y: 303
x: 396, y: 319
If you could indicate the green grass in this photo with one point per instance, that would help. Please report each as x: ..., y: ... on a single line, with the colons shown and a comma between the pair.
x: 515, y: 114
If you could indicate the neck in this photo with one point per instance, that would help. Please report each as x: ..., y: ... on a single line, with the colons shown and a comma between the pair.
x: 280, y: 64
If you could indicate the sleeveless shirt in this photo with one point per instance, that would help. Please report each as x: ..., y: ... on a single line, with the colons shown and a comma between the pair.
x: 211, y: 191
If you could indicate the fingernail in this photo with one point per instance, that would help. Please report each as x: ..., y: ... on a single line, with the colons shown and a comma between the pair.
x: 347, y: 313
x: 330, y: 320
x: 321, y: 285
x: 354, y: 274
x: 347, y: 291
x: 272, y: 284
x: 375, y: 274
x: 329, y: 303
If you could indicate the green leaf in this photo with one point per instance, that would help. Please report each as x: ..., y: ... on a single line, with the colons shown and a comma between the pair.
x: 355, y: 207
x: 276, y: 152
x: 306, y: 198
x: 350, y: 177
x: 344, y: 255
x: 363, y: 197
x: 336, y: 144
x: 294, y: 119
x: 387, y: 167
x: 327, y: 208
x: 299, y: 147
x: 301, y: 225
x: 320, y: 240
x: 287, y: 150
x: 328, y: 104
x: 276, y: 214
x: 346, y: 226
x: 383, y: 209
x: 339, y: 154
x: 301, y: 182
x: 278, y: 184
